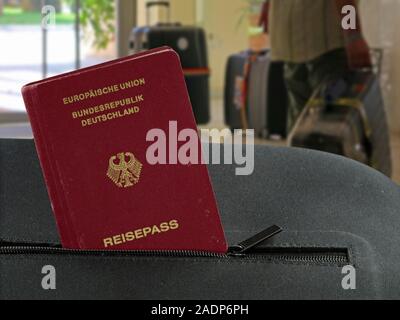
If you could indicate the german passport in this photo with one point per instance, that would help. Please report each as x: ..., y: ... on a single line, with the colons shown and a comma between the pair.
x: 91, y: 130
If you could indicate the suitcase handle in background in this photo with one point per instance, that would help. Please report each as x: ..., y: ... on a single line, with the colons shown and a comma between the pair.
x: 164, y: 4
x: 377, y: 59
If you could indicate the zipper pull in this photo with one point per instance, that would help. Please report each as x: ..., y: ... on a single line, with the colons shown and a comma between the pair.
x: 243, y: 247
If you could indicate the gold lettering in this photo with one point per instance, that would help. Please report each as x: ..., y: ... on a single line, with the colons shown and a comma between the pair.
x: 93, y: 93
x: 108, y: 242
x: 146, y: 231
x: 130, y: 236
x: 174, y: 224
x: 155, y: 230
x: 141, y: 233
x: 117, y: 240
x: 164, y: 227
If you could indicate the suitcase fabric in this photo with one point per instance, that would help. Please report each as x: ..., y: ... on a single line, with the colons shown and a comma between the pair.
x: 190, y: 43
x: 368, y: 91
x: 347, y: 117
x: 338, y: 130
x: 199, y: 93
x: 265, y: 97
x: 257, y: 87
x: 333, y: 211
x: 234, y: 82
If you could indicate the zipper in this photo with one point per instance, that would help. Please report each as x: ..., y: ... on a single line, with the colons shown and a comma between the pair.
x: 244, y: 250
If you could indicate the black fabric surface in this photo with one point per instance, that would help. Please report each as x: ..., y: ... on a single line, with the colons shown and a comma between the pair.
x: 318, y: 199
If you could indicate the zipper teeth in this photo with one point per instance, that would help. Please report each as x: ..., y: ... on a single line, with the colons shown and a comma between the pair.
x: 299, y: 257
x: 315, y: 258
x: 61, y: 251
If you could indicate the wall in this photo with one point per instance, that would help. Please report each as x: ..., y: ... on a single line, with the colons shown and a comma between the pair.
x: 219, y: 18
x: 183, y: 11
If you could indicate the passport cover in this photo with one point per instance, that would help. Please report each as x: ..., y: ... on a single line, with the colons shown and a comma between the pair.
x: 90, y: 129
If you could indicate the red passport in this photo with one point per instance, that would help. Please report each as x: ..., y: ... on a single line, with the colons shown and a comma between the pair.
x: 91, y: 132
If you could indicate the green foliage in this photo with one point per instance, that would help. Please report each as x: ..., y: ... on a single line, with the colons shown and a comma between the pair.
x: 249, y: 7
x: 16, y: 16
x: 99, y: 17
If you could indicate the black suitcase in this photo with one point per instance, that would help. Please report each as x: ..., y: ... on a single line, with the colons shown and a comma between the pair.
x: 278, y: 101
x: 191, y: 45
x: 347, y: 117
x: 256, y: 95
x: 267, y: 98
x: 334, y: 213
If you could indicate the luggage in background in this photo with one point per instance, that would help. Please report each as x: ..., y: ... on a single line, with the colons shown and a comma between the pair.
x: 234, y: 87
x: 335, y: 129
x: 257, y: 94
x: 347, y: 117
x: 278, y: 101
x: 366, y: 88
x: 190, y: 43
x: 267, y: 97
x: 255, y: 89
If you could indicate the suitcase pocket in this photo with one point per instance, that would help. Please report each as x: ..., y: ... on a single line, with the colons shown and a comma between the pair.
x: 255, y: 273
x: 250, y: 249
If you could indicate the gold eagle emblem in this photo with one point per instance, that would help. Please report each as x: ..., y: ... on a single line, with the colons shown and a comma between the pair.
x: 125, y: 172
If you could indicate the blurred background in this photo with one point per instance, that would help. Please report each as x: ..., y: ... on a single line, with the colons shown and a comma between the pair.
x: 87, y: 32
